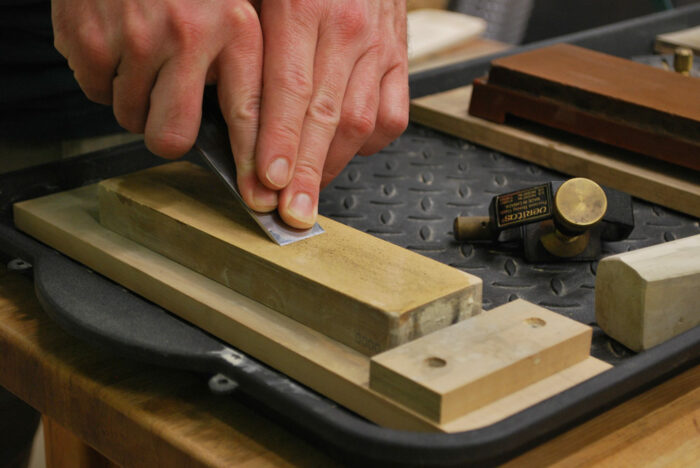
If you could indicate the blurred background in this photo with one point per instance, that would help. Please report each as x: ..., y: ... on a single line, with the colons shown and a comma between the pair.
x: 522, y: 21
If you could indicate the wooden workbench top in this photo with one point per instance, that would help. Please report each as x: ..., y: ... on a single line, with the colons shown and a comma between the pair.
x: 141, y: 415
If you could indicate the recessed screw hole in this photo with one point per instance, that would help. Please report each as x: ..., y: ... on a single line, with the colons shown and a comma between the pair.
x: 535, y: 322
x: 435, y: 362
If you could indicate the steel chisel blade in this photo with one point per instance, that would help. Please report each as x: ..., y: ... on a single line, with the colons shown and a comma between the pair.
x: 214, y: 146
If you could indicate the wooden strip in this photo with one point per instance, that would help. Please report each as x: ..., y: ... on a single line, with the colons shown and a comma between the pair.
x: 360, y: 290
x: 65, y: 450
x: 138, y: 415
x: 461, y: 368
x: 496, y: 103
x: 658, y: 428
x: 600, y: 82
x: 649, y: 180
x: 587, y: 93
x: 647, y: 296
x: 68, y: 222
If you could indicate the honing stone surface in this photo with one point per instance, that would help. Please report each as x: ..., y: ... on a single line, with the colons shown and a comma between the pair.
x: 364, y: 292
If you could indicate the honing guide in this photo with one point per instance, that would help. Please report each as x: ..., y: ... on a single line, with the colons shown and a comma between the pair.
x: 355, y: 288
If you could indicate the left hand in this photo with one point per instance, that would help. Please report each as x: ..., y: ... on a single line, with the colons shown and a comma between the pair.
x: 335, y: 83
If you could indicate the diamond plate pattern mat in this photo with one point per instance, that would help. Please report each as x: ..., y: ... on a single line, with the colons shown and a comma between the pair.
x: 410, y: 193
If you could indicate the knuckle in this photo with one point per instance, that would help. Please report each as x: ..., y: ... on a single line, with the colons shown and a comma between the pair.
x: 351, y: 21
x: 138, y: 43
x: 60, y: 43
x: 130, y: 119
x: 295, y: 82
x: 245, y: 112
x: 394, y: 124
x: 168, y: 143
x: 240, y: 15
x: 283, y: 135
x: 92, y: 45
x: 187, y: 31
x: 307, y: 175
x: 323, y: 109
x: 98, y: 95
x: 359, y: 125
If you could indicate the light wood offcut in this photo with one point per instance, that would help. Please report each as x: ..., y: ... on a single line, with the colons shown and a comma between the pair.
x: 461, y: 368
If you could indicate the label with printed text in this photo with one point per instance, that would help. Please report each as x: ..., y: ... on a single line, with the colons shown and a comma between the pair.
x: 524, y: 206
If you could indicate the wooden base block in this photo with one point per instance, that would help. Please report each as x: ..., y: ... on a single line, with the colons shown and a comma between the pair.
x: 650, y: 180
x: 650, y: 295
x: 353, y: 287
x: 466, y: 366
x: 68, y: 222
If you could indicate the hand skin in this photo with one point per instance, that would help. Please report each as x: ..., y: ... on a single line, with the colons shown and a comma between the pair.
x: 304, y: 85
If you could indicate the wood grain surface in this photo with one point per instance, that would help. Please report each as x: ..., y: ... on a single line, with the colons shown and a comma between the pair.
x: 648, y: 296
x: 468, y: 365
x: 145, y: 416
x: 68, y: 222
x: 66, y: 450
x: 619, y: 102
x: 135, y: 414
x: 364, y: 292
x: 603, y: 83
x: 650, y: 180
x: 668, y: 42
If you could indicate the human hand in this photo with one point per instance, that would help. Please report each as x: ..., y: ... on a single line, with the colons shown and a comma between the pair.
x: 335, y: 83
x: 150, y: 60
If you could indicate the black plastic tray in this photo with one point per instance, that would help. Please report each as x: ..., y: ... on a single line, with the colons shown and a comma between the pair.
x: 408, y: 195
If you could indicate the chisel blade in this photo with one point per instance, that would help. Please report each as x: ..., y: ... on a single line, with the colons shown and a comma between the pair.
x: 214, y: 146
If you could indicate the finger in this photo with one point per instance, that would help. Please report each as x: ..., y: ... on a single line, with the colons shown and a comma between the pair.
x: 175, y: 107
x: 357, y: 118
x: 142, y: 57
x: 392, y: 117
x: 87, y: 48
x: 334, y: 64
x: 94, y: 64
x: 239, y: 87
x: 290, y: 46
x: 131, y: 89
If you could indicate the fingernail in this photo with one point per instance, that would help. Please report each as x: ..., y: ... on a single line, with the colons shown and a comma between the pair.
x: 264, y: 198
x: 302, y: 209
x: 278, y: 172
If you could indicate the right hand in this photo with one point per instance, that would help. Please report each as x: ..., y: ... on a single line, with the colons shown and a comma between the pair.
x: 150, y: 60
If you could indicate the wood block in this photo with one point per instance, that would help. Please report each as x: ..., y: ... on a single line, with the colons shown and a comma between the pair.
x: 67, y: 221
x: 433, y: 32
x: 461, y: 368
x: 668, y: 42
x: 588, y: 93
x: 647, y: 296
x: 645, y: 178
x: 353, y: 287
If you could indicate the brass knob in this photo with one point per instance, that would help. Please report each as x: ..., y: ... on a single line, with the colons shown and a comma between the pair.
x: 683, y: 60
x: 579, y: 204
